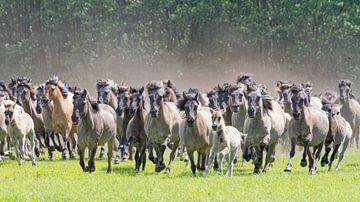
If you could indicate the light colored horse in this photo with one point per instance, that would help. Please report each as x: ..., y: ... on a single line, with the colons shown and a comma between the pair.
x: 226, y: 141
x: 308, y: 128
x: 264, y: 125
x: 26, y: 98
x: 20, y: 128
x: 135, y: 129
x: 350, y: 110
x: 161, y: 124
x: 195, y: 129
x: 96, y: 126
x: 55, y: 91
x: 339, y: 134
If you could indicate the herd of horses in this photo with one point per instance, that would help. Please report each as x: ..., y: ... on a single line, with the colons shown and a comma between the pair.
x: 230, y: 118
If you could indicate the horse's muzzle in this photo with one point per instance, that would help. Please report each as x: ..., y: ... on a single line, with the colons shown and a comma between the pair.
x: 236, y: 108
x: 38, y: 109
x: 190, y: 122
x: 45, y: 101
x: 154, y: 113
x: 214, y: 127
x: 296, y: 115
x: 251, y: 113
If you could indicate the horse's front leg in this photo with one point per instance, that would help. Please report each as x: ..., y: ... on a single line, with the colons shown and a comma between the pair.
x: 91, y: 162
x: 212, y: 155
x: 72, y: 145
x: 172, y: 157
x: 324, y: 159
x: 65, y: 153
x: 291, y: 155
x: 303, y: 162
x: 151, y: 153
x: 332, y: 158
x: 259, y: 154
x: 160, y: 154
x: 102, y: 152
x: 81, y: 151
x: 312, y: 168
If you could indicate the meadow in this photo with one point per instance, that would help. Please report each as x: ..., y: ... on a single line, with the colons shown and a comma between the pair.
x: 64, y: 181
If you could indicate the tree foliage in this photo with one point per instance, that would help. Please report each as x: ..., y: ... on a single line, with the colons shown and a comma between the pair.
x: 322, y: 35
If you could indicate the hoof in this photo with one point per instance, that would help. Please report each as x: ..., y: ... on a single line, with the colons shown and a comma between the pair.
x: 34, y: 164
x: 108, y: 171
x: 163, y: 147
x: 73, y: 156
x: 167, y: 171
x: 288, y: 168
x: 124, y: 159
x: 256, y: 171
x: 116, y: 161
x: 235, y: 160
x: 86, y: 169
x: 159, y: 168
x: 303, y: 163
x: 65, y: 156
x: 312, y: 172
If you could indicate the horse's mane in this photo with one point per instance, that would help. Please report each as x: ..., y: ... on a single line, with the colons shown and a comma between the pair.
x: 101, y: 83
x: 156, y: 86
x: 24, y: 81
x: 328, y: 95
x: 81, y: 92
x: 224, y: 88
x: 169, y: 84
x: 187, y: 96
x: 243, y: 77
x: 55, y: 80
x: 283, y: 85
x: 123, y: 88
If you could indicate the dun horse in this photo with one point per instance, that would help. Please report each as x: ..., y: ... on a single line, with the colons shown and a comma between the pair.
x: 195, y: 129
x: 350, y: 110
x: 96, y: 126
x: 308, y: 128
x: 161, y: 124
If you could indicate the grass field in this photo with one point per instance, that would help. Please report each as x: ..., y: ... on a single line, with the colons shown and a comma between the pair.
x: 64, y: 180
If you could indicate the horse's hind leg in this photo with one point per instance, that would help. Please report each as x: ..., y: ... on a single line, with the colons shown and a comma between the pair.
x: 230, y: 168
x: 144, y: 160
x: 137, y: 159
x: 318, y: 154
x: 324, y: 159
x: 102, y: 152
x: 18, y: 152
x: 32, y: 138
x: 332, y: 158
x: 312, y: 168
x: 110, y: 153
x: 72, y: 146
x: 269, y: 153
x: 341, y: 155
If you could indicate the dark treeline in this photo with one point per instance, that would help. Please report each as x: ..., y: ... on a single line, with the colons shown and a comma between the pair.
x: 322, y: 36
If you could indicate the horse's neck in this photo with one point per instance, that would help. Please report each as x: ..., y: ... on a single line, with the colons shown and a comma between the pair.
x: 243, y: 108
x: 305, y: 117
x: 140, y: 112
x: 287, y: 107
x: 59, y: 100
x: 48, y: 108
x: 113, y: 102
x: 89, y: 117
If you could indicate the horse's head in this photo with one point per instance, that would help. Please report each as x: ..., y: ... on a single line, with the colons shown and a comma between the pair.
x: 190, y: 105
x: 156, y: 93
x: 213, y: 99
x: 217, y: 120
x: 106, y: 90
x: 299, y: 99
x: 9, y: 112
x: 244, y: 78
x: 136, y: 100
x: 40, y: 91
x: 123, y: 99
x: 224, y: 96
x: 254, y: 99
x: 284, y: 90
x: 345, y: 89
x: 12, y: 87
x: 170, y: 94
x: 24, y: 91
x: 237, y: 97
x: 81, y: 105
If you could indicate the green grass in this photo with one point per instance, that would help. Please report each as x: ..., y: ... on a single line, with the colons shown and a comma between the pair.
x: 64, y: 180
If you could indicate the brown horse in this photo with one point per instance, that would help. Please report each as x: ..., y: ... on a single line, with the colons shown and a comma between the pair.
x: 61, y: 115
x: 123, y: 118
x: 135, y: 130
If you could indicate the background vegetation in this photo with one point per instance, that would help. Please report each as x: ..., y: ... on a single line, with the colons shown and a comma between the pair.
x: 58, y: 36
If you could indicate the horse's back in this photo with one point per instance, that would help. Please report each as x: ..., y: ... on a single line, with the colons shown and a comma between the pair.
x: 320, y: 125
x: 278, y: 121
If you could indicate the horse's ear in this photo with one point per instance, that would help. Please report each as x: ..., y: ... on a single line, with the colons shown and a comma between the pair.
x: 141, y: 90
x: 30, y: 81
x: 85, y: 92
x: 169, y: 84
x: 219, y: 87
x: 184, y: 95
x: 131, y: 90
x: 212, y: 111
x: 197, y: 96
